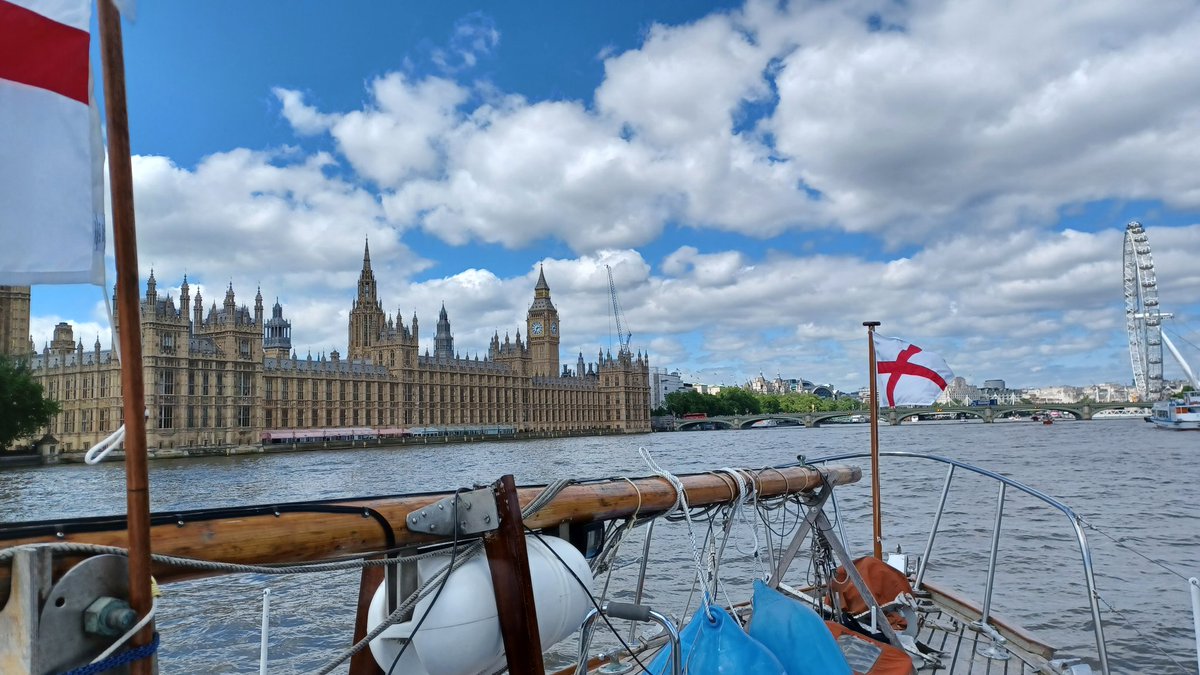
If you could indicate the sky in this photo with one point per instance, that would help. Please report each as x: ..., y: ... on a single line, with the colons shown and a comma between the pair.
x: 760, y: 177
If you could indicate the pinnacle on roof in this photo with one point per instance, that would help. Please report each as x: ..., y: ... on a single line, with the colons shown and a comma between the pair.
x: 541, y: 282
x: 366, y: 253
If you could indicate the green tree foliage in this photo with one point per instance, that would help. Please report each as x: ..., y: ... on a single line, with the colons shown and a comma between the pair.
x: 23, y: 407
x: 739, y: 401
x: 735, y: 401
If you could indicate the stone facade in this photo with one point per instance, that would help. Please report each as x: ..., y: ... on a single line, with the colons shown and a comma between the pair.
x: 14, y: 321
x: 227, y: 376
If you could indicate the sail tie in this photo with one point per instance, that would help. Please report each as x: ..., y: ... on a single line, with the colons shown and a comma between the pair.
x: 704, y: 571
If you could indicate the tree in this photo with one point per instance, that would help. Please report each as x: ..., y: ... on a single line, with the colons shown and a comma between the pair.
x: 23, y: 406
x: 739, y: 401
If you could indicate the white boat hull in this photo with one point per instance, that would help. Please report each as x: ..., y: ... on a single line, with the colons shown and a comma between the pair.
x: 1178, y: 413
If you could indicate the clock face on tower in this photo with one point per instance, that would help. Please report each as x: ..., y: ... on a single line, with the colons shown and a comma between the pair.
x: 554, y: 328
x: 536, y: 328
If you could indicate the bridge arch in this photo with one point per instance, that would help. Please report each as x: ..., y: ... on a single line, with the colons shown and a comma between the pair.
x: 707, y: 424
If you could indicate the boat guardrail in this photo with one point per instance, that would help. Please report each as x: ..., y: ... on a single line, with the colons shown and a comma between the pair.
x: 1085, y: 552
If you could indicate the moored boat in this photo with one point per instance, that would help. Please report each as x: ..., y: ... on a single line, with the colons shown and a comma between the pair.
x: 1182, y: 413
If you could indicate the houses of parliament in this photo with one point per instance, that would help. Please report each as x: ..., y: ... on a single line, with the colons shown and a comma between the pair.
x: 226, y: 375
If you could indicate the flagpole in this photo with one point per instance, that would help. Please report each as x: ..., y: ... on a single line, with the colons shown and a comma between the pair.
x: 137, y: 489
x: 876, y: 506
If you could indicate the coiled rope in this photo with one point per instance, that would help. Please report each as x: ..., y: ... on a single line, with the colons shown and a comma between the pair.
x: 704, y: 572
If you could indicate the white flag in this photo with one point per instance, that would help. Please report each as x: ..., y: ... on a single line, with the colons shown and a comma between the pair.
x: 51, y: 159
x: 907, y: 375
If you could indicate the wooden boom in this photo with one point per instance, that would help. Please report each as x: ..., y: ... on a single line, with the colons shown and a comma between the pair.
x: 311, y: 531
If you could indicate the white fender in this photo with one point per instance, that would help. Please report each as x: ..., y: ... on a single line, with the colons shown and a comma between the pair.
x: 461, y: 634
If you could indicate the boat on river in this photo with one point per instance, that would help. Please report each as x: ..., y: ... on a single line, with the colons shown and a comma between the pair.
x: 1179, y: 414
x: 529, y: 565
x: 490, y: 578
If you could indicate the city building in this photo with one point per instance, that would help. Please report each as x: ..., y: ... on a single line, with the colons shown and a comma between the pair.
x: 959, y: 391
x: 1059, y: 394
x: 663, y: 383
x: 1110, y: 393
x: 229, y: 376
x: 14, y: 321
x: 779, y: 385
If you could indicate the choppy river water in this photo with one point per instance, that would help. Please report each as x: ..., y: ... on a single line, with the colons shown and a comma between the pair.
x: 1134, y: 483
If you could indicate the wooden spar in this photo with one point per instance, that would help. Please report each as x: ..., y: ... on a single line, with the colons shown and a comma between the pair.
x: 508, y: 560
x: 876, y: 504
x: 294, y: 536
x: 120, y: 166
x: 363, y: 662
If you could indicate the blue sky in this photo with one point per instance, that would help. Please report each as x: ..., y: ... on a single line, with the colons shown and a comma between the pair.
x: 761, y: 177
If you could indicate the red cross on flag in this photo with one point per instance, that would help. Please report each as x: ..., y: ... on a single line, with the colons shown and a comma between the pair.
x: 907, y: 375
x: 51, y: 158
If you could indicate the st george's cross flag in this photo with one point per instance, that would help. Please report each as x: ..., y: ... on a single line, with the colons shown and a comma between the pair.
x: 906, y: 374
x: 51, y: 157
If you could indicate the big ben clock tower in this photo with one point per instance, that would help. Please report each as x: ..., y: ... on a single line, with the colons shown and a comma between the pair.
x: 541, y: 322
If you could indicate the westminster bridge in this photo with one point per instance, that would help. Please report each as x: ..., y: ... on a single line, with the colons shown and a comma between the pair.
x: 987, y: 413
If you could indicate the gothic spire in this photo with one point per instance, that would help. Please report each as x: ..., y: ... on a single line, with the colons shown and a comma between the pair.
x: 366, y: 280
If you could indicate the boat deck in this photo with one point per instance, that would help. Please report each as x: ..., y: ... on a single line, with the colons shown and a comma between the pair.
x: 960, y: 648
x: 949, y: 635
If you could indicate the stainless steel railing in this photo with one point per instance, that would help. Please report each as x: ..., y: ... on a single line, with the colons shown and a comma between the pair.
x: 1085, y: 552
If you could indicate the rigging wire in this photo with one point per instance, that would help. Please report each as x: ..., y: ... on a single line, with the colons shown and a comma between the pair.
x: 1147, y: 638
x: 1122, y: 544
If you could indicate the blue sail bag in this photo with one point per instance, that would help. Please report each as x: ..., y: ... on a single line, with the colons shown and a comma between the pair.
x: 718, y: 646
x: 795, y: 634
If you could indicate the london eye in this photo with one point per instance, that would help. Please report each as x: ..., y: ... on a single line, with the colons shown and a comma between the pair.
x: 1143, y: 319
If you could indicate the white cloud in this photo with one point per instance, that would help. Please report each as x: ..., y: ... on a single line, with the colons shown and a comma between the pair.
x: 977, y: 115
x: 305, y: 119
x: 398, y: 137
x: 959, y: 137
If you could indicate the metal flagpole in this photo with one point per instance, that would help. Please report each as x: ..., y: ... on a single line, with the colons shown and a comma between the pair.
x: 137, y: 488
x: 876, y: 506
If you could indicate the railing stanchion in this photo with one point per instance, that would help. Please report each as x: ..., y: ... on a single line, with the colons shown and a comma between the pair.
x: 1085, y: 551
x: 991, y: 577
x: 937, y: 521
x: 1195, y: 587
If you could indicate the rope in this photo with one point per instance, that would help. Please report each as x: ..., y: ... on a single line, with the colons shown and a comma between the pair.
x: 682, y: 505
x: 747, y: 494
x: 124, y: 658
x: 216, y: 566
x: 545, y: 497
x: 129, y: 633
x: 99, y: 451
x: 638, y: 509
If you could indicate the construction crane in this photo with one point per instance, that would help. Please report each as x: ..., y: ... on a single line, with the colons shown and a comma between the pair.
x: 623, y: 335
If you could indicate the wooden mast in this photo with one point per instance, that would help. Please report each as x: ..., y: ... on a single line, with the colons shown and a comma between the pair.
x: 876, y: 505
x: 137, y: 489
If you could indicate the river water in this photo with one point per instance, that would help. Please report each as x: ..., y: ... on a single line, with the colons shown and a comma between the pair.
x: 1135, y: 484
